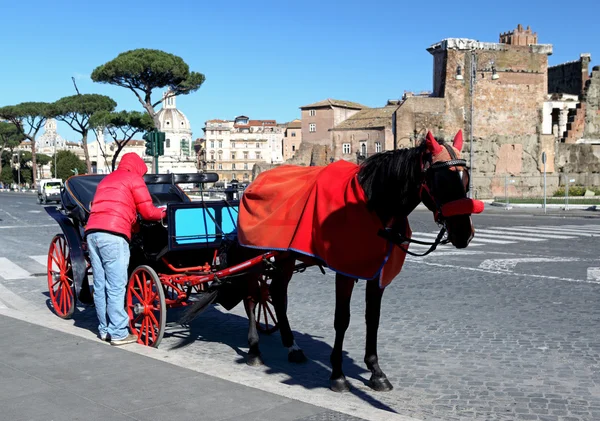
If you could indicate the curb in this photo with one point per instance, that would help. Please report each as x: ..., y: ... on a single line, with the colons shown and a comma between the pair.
x: 592, y: 208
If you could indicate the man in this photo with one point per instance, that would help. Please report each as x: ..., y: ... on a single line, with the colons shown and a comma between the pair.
x: 118, y: 199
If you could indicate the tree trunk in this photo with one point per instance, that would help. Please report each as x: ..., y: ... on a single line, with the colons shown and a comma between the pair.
x: 33, y: 161
x: 86, y: 153
x: 116, y: 155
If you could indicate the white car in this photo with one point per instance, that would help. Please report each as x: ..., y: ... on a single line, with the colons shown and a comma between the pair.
x: 49, y: 190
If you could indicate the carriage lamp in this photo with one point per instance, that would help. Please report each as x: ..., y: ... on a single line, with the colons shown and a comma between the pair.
x: 459, y: 75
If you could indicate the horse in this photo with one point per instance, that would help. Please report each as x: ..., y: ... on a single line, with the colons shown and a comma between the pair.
x: 379, y: 194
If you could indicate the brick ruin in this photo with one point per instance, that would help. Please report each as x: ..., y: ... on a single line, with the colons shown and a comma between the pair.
x: 502, y: 95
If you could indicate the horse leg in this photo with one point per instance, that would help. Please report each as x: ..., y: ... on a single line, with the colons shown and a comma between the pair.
x: 254, y: 358
x: 378, y: 381
x: 343, y: 293
x: 279, y: 288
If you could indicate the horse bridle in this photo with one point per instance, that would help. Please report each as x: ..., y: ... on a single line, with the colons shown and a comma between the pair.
x: 432, y: 204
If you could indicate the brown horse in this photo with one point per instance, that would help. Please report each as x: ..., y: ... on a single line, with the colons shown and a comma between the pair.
x: 392, y: 184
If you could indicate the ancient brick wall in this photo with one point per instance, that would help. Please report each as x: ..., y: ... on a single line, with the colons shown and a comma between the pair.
x: 417, y: 115
x: 569, y: 78
x: 579, y: 161
x: 510, y: 104
x: 592, y: 101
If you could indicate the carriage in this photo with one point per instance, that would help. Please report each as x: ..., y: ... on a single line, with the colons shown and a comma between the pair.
x: 173, y: 263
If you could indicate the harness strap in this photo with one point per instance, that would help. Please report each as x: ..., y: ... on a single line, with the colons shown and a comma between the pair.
x: 401, y: 240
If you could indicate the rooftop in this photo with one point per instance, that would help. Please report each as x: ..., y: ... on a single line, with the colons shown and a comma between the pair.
x: 368, y: 119
x: 335, y: 103
x: 471, y: 44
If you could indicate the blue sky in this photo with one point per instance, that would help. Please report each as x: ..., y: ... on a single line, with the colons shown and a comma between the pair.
x: 266, y: 58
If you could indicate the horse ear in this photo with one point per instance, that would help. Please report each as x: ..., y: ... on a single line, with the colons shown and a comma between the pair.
x: 458, y: 140
x: 432, y: 145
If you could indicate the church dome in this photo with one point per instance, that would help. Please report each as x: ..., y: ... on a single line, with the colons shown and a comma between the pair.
x: 170, y: 118
x: 177, y: 129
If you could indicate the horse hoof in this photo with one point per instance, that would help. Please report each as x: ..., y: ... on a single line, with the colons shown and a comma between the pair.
x: 339, y: 385
x: 380, y: 384
x: 296, y: 356
x: 254, y: 361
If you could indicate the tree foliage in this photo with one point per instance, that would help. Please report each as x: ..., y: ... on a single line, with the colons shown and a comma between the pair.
x: 66, y: 162
x: 144, y: 70
x: 122, y: 126
x: 6, y: 176
x: 76, y: 111
x: 28, y: 118
x: 42, y: 159
x: 10, y: 137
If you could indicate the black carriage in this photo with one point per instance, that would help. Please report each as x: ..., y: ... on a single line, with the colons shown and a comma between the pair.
x: 171, y: 264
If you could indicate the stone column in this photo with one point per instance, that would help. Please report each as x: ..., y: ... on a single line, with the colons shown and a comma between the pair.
x: 547, y: 118
x: 563, y: 117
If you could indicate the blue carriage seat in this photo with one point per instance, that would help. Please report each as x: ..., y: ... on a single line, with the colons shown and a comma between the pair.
x: 199, y: 225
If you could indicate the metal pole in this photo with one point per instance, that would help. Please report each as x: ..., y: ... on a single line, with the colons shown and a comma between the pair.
x: 19, y: 171
x: 544, y: 186
x: 55, y: 158
x: 506, y: 190
x: 155, y: 164
x: 566, y: 191
x: 472, y: 91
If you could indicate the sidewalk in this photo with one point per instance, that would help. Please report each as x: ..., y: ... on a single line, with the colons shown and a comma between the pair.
x: 46, y: 374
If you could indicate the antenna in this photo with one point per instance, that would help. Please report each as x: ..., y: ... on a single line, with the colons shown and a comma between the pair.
x: 73, y: 79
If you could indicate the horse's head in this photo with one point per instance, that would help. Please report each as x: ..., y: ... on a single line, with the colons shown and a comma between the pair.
x: 444, y: 189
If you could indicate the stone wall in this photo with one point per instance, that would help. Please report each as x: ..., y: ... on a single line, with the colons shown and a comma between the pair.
x: 581, y: 162
x: 510, y: 104
x: 517, y: 157
x: 569, y: 78
x: 417, y: 115
x: 592, y: 101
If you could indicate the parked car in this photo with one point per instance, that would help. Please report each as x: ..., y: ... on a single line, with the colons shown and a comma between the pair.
x: 49, y: 190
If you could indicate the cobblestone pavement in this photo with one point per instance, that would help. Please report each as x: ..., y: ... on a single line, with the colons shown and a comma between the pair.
x: 505, y: 330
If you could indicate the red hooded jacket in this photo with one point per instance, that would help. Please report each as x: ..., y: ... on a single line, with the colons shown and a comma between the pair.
x: 120, y: 196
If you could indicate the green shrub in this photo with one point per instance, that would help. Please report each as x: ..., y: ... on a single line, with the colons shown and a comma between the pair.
x: 576, y: 191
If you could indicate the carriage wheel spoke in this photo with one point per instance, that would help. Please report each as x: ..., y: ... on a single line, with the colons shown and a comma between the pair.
x: 271, y: 313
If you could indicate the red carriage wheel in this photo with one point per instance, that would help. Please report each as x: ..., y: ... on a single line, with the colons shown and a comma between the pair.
x: 264, y: 312
x: 146, y: 306
x: 60, y: 277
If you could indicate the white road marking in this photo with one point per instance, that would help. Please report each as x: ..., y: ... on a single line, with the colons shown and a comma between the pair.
x: 593, y: 274
x: 502, y: 233
x: 41, y: 259
x: 595, y: 228
x: 509, y: 264
x: 475, y: 241
x: 28, y: 226
x: 545, y: 232
x: 499, y: 234
x: 35, y: 211
x: 9, y: 214
x: 500, y: 272
x: 10, y: 271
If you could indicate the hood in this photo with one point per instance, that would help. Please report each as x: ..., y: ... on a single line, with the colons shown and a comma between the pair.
x: 133, y: 163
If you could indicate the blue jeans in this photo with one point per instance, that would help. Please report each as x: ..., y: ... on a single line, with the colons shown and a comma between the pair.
x: 109, y: 255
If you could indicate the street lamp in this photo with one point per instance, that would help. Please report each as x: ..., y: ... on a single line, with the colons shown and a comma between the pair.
x: 472, y: 94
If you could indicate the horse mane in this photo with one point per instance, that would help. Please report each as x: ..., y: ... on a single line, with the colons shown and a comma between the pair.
x: 391, y: 181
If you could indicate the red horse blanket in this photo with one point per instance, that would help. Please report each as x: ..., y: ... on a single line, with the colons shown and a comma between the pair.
x: 320, y: 212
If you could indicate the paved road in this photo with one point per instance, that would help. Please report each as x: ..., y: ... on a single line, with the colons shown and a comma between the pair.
x: 505, y: 330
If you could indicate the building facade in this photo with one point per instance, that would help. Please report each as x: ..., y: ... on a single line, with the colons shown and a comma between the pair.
x: 292, y: 138
x: 232, y: 147
x: 363, y: 134
x: 319, y: 118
